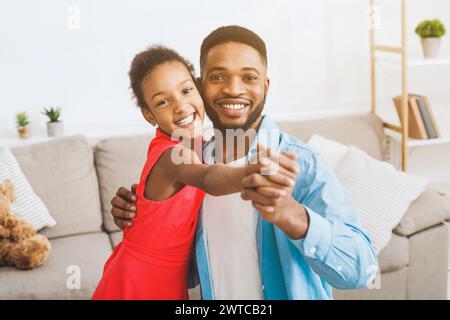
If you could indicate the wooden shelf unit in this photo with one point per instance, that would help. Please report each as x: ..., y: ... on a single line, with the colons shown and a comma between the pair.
x: 402, y: 51
x: 400, y: 58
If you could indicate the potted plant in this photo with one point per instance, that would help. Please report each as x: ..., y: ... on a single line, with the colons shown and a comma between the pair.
x: 430, y: 32
x: 55, y: 128
x: 22, y: 125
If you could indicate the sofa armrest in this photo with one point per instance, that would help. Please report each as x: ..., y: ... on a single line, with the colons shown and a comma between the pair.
x: 428, y: 265
x: 429, y: 209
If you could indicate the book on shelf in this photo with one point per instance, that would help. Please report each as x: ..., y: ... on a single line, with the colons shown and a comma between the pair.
x: 416, y: 127
x: 431, y: 115
x: 421, y: 121
x: 426, y: 118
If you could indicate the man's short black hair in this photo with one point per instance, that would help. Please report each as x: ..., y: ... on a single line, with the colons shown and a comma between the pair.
x: 232, y: 34
x: 147, y: 60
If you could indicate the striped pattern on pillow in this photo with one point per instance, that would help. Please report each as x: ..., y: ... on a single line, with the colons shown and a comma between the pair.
x: 28, y: 205
x: 380, y: 194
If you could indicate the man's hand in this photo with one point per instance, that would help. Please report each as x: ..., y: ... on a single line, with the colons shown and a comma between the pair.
x: 282, y: 210
x: 124, y: 207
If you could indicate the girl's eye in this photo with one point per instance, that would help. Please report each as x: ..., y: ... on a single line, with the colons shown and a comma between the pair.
x: 250, y: 77
x: 216, y: 77
x: 187, y: 90
x: 162, y: 102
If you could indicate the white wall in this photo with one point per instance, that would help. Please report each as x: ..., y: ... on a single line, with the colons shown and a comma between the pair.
x: 318, y: 53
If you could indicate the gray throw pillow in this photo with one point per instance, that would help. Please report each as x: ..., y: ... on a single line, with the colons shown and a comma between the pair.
x: 428, y: 210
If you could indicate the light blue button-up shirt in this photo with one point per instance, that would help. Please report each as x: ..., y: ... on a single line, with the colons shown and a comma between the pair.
x: 335, y: 252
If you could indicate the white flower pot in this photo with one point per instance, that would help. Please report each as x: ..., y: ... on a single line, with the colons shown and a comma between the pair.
x: 431, y: 47
x: 55, y: 129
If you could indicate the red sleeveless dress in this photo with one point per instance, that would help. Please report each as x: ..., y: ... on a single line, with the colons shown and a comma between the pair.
x: 153, y: 258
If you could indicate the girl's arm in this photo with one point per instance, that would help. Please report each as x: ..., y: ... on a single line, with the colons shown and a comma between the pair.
x: 184, y: 166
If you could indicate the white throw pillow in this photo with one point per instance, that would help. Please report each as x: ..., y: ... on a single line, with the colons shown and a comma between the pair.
x: 331, y: 150
x: 28, y: 205
x: 379, y: 193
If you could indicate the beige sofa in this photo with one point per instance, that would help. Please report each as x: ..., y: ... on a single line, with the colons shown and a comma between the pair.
x: 77, y: 181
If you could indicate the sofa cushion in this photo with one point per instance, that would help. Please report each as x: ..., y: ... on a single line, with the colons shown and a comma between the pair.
x: 50, y: 280
x: 119, y: 162
x: 390, y: 286
x: 62, y: 174
x: 379, y: 193
x: 26, y: 205
x: 427, y: 210
x: 395, y: 255
x: 362, y: 130
x: 116, y: 237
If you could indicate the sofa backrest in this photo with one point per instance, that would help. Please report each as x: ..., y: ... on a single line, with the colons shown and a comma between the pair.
x: 362, y: 130
x: 78, y: 193
x: 119, y: 162
x: 62, y: 173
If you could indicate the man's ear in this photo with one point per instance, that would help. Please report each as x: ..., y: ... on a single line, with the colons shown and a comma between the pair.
x: 266, y: 85
x: 198, y: 84
x: 148, y: 116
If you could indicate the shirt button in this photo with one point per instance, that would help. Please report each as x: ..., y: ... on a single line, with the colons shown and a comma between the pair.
x: 339, y: 268
x: 313, y: 250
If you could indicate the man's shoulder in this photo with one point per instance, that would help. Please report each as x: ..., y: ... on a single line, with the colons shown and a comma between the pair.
x: 290, y: 143
x: 310, y: 161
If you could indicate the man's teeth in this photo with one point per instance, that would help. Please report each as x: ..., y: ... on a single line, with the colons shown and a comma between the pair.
x: 186, y: 121
x: 233, y: 106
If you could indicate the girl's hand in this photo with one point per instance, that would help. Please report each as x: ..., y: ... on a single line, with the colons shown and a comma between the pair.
x: 272, y: 178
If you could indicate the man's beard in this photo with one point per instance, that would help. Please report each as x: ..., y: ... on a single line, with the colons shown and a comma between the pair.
x: 251, y: 119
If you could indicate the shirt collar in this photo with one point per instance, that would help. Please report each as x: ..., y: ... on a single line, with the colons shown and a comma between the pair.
x: 268, y: 135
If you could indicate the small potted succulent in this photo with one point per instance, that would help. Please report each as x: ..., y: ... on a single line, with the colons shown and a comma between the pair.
x: 430, y: 32
x: 22, y: 125
x: 55, y: 128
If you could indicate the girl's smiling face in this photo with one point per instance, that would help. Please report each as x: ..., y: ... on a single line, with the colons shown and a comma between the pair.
x: 173, y: 101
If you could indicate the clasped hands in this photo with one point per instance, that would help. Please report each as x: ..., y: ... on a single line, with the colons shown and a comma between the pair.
x: 269, y: 186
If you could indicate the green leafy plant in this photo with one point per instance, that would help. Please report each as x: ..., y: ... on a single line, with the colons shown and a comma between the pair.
x: 431, y: 29
x: 53, y: 114
x: 22, y: 120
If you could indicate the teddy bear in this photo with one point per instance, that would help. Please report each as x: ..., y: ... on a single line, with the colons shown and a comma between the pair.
x: 20, y: 245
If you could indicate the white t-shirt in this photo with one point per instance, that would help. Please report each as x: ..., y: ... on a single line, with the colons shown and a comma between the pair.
x: 230, y: 224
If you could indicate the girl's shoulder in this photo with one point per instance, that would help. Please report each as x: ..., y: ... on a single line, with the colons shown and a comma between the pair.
x: 159, y: 143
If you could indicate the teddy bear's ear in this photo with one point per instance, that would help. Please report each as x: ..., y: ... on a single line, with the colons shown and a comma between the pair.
x: 7, y: 189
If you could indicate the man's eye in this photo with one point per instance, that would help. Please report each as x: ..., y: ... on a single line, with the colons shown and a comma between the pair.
x: 187, y: 90
x: 250, y: 77
x: 216, y: 77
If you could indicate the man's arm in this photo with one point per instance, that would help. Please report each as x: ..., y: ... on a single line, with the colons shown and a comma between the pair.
x: 323, y: 225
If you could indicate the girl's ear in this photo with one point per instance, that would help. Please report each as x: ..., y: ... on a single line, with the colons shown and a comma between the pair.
x: 148, y: 116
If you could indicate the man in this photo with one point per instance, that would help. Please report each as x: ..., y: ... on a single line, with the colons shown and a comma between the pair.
x: 253, y: 246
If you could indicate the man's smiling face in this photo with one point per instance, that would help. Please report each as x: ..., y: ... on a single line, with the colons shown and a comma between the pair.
x: 234, y: 86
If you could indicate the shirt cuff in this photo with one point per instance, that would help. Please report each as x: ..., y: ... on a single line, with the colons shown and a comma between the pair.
x: 317, y: 242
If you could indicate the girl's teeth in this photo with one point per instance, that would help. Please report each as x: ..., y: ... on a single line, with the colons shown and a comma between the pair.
x: 233, y: 106
x: 186, y: 121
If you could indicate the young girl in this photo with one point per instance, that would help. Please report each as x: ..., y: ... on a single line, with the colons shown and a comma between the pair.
x: 152, y: 260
